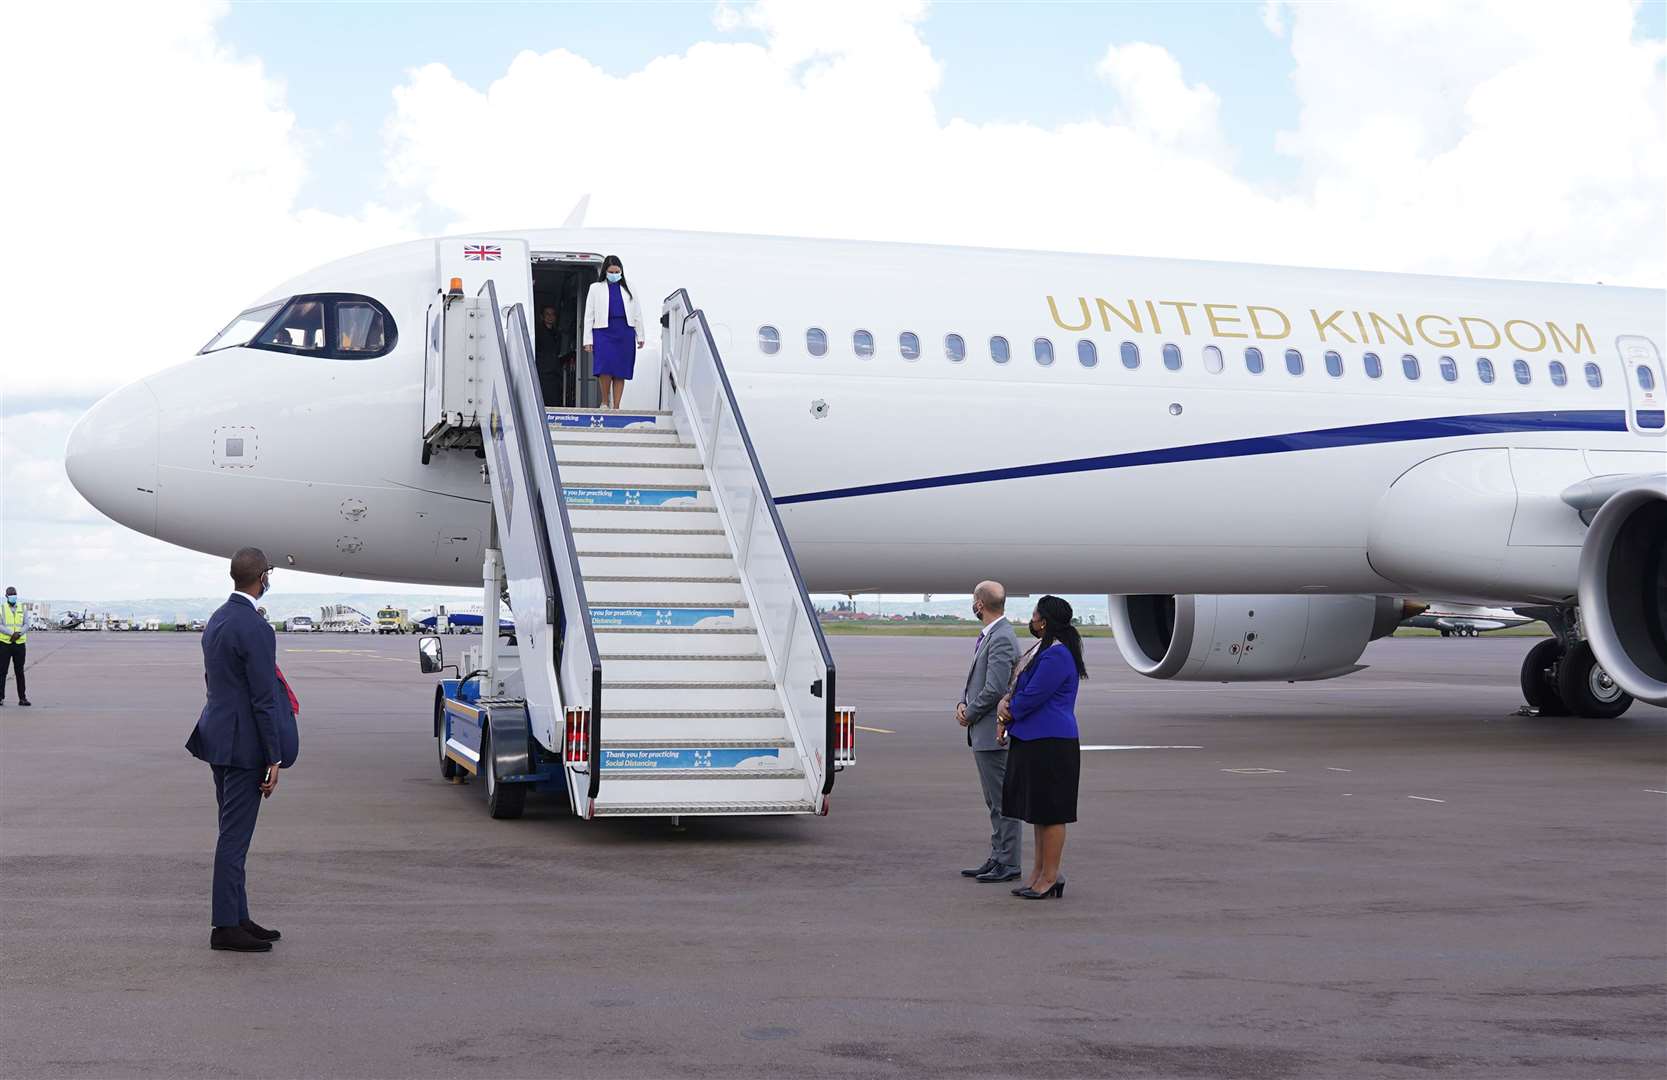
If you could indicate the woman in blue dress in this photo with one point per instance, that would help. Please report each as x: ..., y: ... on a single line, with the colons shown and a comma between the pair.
x: 613, y: 331
x: 1039, y: 721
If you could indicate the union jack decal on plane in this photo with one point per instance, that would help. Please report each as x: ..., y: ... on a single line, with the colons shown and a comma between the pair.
x: 483, y: 253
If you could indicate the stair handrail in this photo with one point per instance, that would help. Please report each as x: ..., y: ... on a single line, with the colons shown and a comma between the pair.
x: 564, y: 593
x: 682, y: 315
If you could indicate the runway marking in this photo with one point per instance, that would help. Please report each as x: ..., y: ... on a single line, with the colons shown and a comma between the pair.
x: 1142, y: 748
x: 1654, y: 791
x: 1333, y: 768
x: 876, y: 730
x: 1425, y: 798
x: 1253, y: 771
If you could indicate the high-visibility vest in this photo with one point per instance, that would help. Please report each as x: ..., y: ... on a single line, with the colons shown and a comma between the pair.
x: 14, y: 623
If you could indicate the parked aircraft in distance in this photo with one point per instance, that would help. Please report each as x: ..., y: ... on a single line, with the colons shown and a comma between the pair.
x: 1254, y: 462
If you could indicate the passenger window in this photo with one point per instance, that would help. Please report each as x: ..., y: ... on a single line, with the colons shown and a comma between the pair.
x: 1087, y: 354
x: 1594, y: 375
x: 299, y: 327
x: 1646, y: 378
x: 909, y: 345
x: 1519, y: 368
x: 1212, y: 360
x: 1253, y: 360
x: 1484, y: 369
x: 1131, y: 354
x: 1334, y: 364
x: 1044, y: 351
x: 360, y: 328
x: 955, y: 348
x: 816, y: 341
x: 1449, y: 369
x: 1373, y: 366
x: 1172, y: 357
x: 769, y: 340
x: 1409, y: 367
x: 862, y: 342
x: 241, y: 329
x: 1559, y: 374
x: 1293, y: 361
x: 999, y: 352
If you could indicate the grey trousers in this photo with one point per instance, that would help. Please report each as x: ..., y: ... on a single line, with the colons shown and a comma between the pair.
x: 1006, y: 834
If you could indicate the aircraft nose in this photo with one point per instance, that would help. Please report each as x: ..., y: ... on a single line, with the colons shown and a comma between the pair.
x: 111, y: 456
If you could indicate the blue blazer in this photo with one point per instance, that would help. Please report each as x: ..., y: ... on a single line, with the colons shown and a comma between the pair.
x: 1044, y: 704
x: 246, y: 721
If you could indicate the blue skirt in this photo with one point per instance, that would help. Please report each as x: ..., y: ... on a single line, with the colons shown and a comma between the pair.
x: 615, y: 349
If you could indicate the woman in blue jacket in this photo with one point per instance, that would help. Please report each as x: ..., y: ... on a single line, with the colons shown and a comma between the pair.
x: 1044, y: 757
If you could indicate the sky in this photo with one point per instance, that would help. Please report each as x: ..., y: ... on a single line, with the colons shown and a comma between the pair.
x: 185, y: 157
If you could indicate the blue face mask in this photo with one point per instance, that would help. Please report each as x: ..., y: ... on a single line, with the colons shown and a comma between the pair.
x: 12, y: 599
x: 614, y: 277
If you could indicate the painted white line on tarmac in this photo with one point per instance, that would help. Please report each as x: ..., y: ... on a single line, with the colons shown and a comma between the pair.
x: 1253, y: 771
x: 1654, y: 791
x: 1142, y: 748
x: 1333, y: 768
x: 1425, y: 798
x: 877, y: 730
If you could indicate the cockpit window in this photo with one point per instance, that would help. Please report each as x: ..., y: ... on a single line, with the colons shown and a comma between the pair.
x: 339, y: 325
x: 241, y: 329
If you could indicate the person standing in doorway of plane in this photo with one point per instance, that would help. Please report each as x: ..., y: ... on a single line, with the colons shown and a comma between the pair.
x: 14, y: 639
x: 993, y: 656
x: 613, y: 331
x: 555, y: 364
x: 246, y: 733
x: 1044, y: 760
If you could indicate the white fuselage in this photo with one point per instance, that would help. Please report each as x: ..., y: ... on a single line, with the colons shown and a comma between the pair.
x: 933, y: 473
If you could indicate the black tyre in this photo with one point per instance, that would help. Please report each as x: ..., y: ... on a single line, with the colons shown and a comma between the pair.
x: 1446, y: 633
x: 1587, y: 689
x: 503, y: 801
x: 1539, y: 678
x: 448, y: 767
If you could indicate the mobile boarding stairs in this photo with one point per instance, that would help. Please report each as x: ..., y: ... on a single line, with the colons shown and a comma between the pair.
x: 666, y: 658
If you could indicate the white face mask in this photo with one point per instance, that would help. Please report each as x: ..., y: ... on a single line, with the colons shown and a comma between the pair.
x: 614, y: 277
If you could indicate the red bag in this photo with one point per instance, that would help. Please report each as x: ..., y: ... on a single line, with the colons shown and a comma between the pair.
x: 294, y: 705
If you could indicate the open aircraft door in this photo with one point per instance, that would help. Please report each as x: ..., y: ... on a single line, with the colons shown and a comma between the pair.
x: 1641, y: 368
x: 451, y: 375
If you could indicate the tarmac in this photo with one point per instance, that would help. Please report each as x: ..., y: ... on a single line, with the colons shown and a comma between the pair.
x: 1387, y: 875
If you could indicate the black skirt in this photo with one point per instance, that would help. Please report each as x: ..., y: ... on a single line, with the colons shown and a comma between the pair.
x: 1041, y: 783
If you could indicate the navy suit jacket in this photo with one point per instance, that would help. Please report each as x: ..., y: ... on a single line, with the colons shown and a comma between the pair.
x: 246, y: 722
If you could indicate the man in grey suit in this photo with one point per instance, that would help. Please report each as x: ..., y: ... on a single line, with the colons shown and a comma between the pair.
x: 993, y: 658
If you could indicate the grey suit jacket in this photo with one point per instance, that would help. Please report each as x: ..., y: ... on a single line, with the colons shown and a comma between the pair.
x: 987, y: 682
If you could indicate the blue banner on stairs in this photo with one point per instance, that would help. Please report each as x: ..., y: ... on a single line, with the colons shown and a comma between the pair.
x: 603, y: 617
x: 743, y: 757
x: 626, y: 496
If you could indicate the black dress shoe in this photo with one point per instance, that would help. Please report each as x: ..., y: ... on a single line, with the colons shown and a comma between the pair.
x: 997, y: 875
x: 236, y: 939
x: 25, y: 702
x: 259, y: 932
x: 989, y: 864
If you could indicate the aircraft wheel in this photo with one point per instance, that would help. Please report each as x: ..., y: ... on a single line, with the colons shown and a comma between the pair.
x: 1587, y: 689
x: 503, y: 801
x: 1446, y: 633
x: 1539, y: 685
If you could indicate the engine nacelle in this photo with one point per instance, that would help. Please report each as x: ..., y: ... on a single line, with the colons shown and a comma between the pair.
x: 1623, y: 589
x: 1250, y: 638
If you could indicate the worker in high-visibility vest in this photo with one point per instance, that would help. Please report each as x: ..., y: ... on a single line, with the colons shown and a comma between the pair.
x: 14, y: 632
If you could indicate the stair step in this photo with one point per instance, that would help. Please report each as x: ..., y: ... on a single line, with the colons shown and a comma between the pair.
x: 728, y: 579
x: 700, y: 809
x: 587, y: 463
x: 661, y: 435
x: 584, y: 450
x: 644, y: 641
x: 687, y: 684
x: 636, y: 726
x: 682, y: 656
x: 693, y: 527
x: 691, y: 696
x: 694, y: 714
x: 750, y: 667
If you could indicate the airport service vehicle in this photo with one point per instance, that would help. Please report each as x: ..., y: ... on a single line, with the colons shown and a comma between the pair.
x: 300, y: 624
x: 392, y: 620
x: 1256, y: 463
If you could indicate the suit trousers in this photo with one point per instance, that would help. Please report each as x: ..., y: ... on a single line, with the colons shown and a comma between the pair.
x: 237, y: 792
x: 10, y: 656
x: 1006, y: 834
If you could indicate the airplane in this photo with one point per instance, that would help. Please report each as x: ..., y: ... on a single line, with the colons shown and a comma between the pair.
x: 467, y: 615
x: 1466, y: 620
x: 1246, y: 459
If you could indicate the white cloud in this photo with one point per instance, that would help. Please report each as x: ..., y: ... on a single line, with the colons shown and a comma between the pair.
x: 1486, y: 139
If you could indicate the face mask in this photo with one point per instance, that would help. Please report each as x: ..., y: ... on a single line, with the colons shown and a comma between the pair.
x: 1037, y: 628
x: 12, y: 599
x: 614, y: 277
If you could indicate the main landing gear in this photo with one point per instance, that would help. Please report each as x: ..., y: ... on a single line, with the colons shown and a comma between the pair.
x: 1562, y: 677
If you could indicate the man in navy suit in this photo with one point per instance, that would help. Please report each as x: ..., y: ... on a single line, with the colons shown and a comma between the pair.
x: 246, y: 733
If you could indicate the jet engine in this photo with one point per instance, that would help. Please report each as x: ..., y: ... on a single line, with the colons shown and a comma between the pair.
x: 1623, y: 588
x: 1251, y: 638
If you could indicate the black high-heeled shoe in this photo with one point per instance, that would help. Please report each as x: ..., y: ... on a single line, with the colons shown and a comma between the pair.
x: 1058, y: 890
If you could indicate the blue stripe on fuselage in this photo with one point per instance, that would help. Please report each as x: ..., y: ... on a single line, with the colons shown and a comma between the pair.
x: 1438, y: 427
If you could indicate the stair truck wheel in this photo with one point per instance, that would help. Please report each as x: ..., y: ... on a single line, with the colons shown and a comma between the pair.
x: 1539, y: 687
x: 1588, y: 690
x: 504, y: 750
x: 449, y: 769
